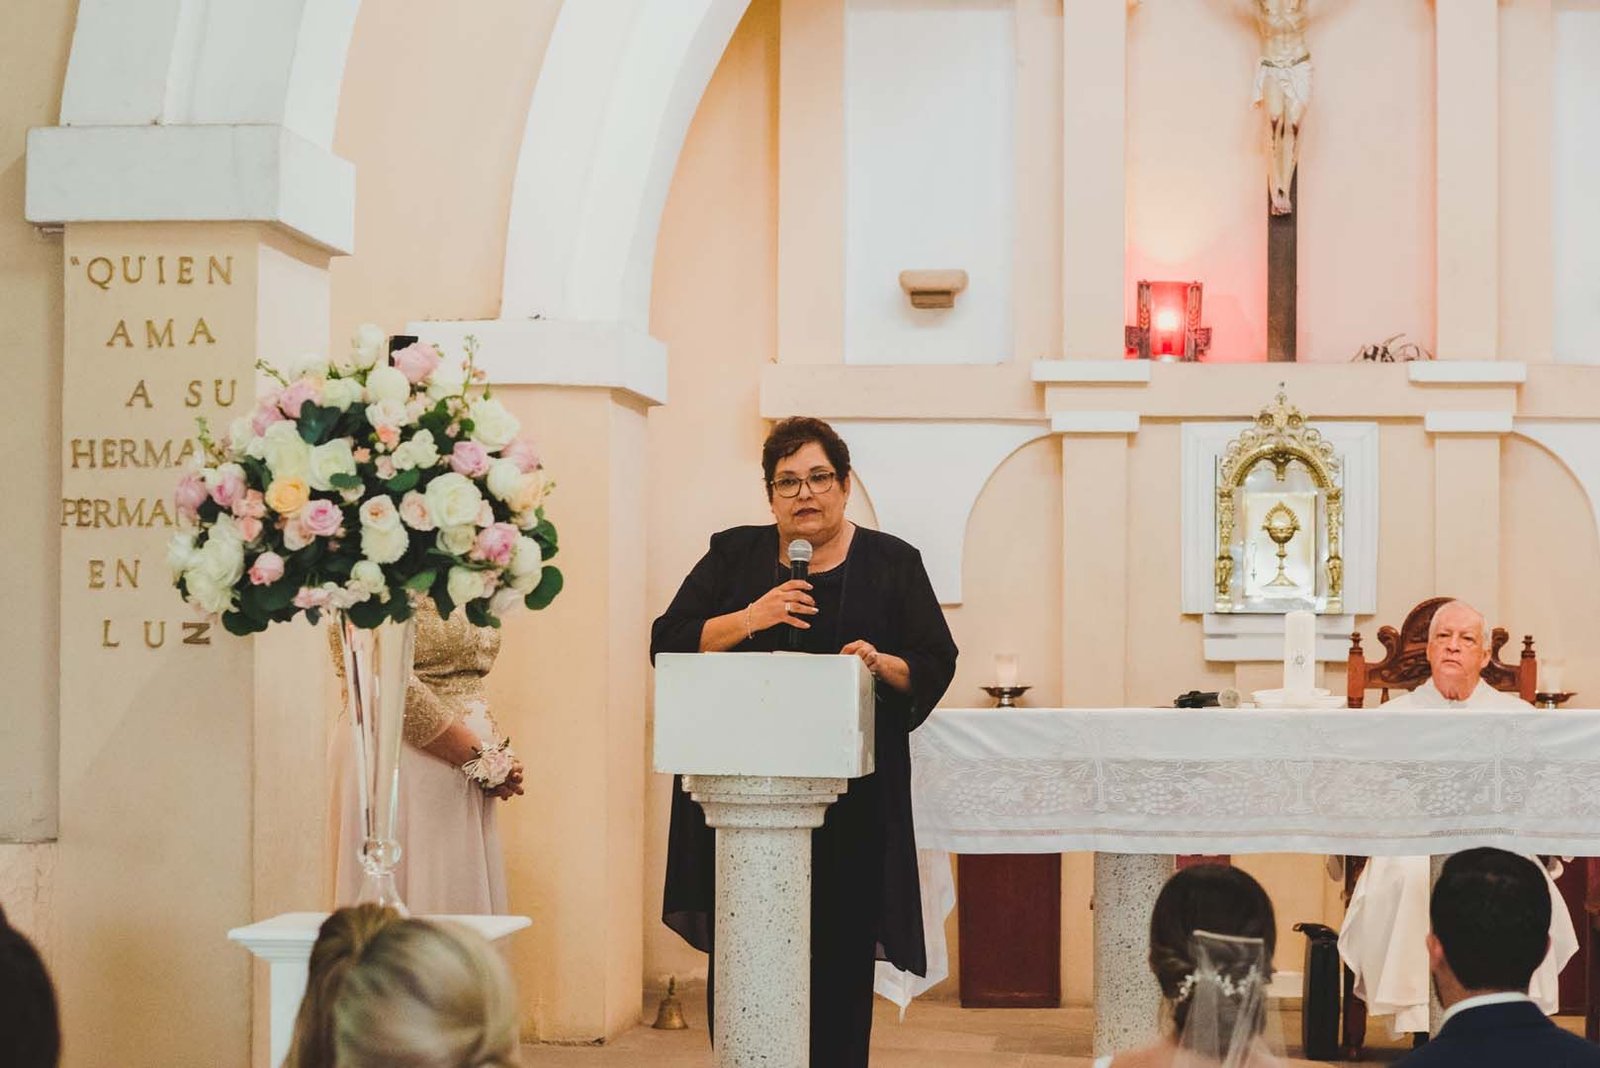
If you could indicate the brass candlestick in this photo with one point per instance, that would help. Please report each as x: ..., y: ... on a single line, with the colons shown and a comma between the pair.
x: 1006, y: 696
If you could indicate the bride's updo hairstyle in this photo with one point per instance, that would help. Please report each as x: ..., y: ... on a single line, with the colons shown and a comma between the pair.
x: 1212, y: 899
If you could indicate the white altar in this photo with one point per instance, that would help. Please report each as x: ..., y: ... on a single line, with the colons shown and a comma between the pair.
x: 1136, y: 785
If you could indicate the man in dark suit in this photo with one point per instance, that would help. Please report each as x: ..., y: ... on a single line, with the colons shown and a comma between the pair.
x: 1490, y: 914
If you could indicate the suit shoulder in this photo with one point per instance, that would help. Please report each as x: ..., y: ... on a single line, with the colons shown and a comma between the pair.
x: 736, y: 539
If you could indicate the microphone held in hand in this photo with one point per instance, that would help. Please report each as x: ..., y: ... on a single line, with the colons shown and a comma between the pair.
x: 799, y: 566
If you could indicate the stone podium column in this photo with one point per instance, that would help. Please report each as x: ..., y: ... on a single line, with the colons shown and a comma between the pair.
x: 765, y: 742
x: 1127, y: 999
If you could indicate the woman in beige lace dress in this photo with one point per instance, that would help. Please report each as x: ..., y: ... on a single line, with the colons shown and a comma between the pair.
x: 450, y: 859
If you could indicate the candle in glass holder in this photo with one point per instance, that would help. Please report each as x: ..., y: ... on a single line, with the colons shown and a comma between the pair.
x: 1550, y: 676
x: 1005, y: 669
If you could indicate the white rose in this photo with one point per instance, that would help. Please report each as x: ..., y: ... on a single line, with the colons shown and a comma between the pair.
x: 240, y: 435
x: 286, y: 455
x: 329, y: 459
x: 312, y: 364
x: 492, y: 426
x: 379, y: 513
x: 390, y: 415
x: 448, y: 380
x: 382, y: 545
x: 418, y: 451
x: 295, y: 535
x: 465, y: 585
x: 386, y: 385
x: 220, y: 560
x: 367, y: 346
x: 210, y: 595
x: 531, y: 493
x: 181, y: 553
x: 527, y: 565
x: 453, y: 500
x: 368, y: 576
x: 505, y: 601
x: 340, y: 393
x: 414, y: 510
x: 505, y: 479
x: 457, y: 540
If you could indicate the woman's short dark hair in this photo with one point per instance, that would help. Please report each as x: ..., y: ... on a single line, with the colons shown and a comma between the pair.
x: 1206, y: 897
x: 30, y: 1029
x: 1490, y: 911
x: 791, y: 435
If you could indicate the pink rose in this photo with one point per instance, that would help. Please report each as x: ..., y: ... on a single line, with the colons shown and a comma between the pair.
x: 496, y: 544
x: 362, y: 454
x: 470, y: 459
x: 267, y: 412
x: 521, y: 453
x: 414, y: 511
x: 322, y: 518
x: 267, y: 569
x: 311, y: 597
x: 249, y: 528
x: 417, y: 361
x: 295, y: 534
x: 251, y: 506
x: 228, y: 486
x: 189, y: 496
x: 298, y: 392
x: 385, y: 465
x: 388, y: 436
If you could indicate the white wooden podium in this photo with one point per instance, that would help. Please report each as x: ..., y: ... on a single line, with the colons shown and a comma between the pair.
x: 765, y: 742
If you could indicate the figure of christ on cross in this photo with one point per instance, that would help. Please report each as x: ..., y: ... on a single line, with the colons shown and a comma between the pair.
x: 1283, y: 89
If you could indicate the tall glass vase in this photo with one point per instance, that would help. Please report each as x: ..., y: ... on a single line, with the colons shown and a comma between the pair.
x: 377, y: 666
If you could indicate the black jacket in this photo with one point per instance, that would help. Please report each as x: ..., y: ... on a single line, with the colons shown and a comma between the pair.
x: 888, y: 601
x: 1515, y: 1034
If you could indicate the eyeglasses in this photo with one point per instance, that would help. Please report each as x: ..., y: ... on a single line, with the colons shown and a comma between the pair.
x: 819, y: 481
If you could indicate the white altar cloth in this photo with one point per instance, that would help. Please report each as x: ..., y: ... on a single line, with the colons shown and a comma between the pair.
x: 1368, y: 782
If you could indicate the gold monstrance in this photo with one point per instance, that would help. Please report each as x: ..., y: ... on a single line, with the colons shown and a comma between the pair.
x: 1281, y: 525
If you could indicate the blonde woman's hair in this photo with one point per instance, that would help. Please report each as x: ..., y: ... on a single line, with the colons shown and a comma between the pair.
x: 340, y: 942
x: 424, y: 994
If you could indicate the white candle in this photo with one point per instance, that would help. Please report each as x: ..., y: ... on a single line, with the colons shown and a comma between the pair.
x: 1550, y: 678
x: 1005, y: 669
x: 1299, y: 654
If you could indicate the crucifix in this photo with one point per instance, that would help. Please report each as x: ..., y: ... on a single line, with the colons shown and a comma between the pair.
x: 1282, y: 91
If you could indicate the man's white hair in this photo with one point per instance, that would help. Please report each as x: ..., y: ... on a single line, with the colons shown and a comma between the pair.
x: 1483, y: 626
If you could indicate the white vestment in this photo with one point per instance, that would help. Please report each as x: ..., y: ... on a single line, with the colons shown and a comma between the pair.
x: 1382, y: 939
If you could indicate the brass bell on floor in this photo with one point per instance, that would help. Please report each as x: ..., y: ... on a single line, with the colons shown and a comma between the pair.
x: 669, y: 1016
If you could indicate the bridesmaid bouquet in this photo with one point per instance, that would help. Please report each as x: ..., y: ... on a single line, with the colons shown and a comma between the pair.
x: 358, y: 483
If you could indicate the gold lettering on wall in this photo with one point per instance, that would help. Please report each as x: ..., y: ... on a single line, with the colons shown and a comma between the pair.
x: 124, y: 576
x: 197, y: 634
x: 97, y: 574
x: 201, y: 330
x: 196, y: 392
x: 105, y: 635
x: 120, y: 332
x: 161, y: 635
x: 101, y: 272
x: 96, y: 453
x: 140, y: 392
x: 158, y: 338
x: 100, y: 512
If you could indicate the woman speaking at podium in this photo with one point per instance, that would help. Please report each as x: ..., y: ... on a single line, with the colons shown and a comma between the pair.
x: 865, y: 594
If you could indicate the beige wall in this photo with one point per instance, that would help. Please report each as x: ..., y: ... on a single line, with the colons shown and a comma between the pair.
x: 34, y: 59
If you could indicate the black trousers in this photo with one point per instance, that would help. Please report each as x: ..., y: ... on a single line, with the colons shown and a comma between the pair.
x: 846, y: 888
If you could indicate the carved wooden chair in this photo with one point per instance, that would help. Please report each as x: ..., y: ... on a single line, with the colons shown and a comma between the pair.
x: 1405, y: 667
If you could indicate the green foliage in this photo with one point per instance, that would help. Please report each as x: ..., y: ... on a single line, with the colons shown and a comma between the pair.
x: 550, y: 584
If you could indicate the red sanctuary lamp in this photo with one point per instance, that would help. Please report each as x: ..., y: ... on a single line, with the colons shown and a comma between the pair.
x: 1167, y: 325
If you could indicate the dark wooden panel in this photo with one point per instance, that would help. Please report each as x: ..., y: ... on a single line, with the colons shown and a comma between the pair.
x: 1009, y: 909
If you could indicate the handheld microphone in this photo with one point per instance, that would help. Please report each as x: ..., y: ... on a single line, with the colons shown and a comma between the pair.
x: 799, y: 566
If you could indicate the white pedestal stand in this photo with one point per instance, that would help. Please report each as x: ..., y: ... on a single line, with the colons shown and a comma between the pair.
x: 1127, y: 999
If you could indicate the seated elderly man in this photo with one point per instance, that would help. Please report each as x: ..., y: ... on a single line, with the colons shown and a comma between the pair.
x: 1385, y: 930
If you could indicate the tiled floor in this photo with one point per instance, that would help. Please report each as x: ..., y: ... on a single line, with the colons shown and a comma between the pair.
x: 934, y: 1033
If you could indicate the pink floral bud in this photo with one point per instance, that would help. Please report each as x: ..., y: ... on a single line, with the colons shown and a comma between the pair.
x: 388, y: 436
x: 295, y: 396
x: 417, y: 361
x: 469, y: 458
x: 521, y: 453
x: 362, y: 454
x: 385, y: 465
x: 229, y: 485
x: 251, y: 506
x: 311, y: 597
x: 267, y: 412
x: 267, y: 569
x: 322, y: 518
x: 496, y: 544
x: 249, y: 528
x: 189, y: 496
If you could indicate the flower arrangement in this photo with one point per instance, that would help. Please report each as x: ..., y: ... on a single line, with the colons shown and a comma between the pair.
x: 358, y: 484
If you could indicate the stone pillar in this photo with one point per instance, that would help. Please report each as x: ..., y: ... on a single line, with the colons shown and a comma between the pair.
x: 1435, y: 1010
x: 191, y: 761
x: 1094, y: 43
x: 1466, y: 507
x: 581, y: 391
x: 1127, y: 999
x: 763, y: 920
x: 1468, y: 186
